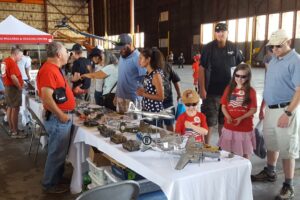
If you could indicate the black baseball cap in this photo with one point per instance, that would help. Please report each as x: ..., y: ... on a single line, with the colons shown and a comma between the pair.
x: 95, y: 52
x: 221, y: 27
x: 123, y: 39
x: 77, y: 47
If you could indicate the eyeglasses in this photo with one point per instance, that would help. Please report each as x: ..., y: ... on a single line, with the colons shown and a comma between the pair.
x: 240, y: 76
x: 191, y: 104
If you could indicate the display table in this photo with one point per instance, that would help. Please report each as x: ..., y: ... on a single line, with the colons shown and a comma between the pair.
x: 228, y: 179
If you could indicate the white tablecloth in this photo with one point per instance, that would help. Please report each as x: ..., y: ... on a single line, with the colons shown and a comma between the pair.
x: 228, y: 179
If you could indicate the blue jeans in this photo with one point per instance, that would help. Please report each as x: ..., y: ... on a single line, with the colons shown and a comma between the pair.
x: 58, y: 143
x: 98, y: 98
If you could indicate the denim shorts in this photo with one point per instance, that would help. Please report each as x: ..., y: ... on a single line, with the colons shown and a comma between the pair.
x: 211, y: 107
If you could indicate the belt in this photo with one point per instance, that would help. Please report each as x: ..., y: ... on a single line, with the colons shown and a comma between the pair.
x: 69, y: 111
x: 281, y: 105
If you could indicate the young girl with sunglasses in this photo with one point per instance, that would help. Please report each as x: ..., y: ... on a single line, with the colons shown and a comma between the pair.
x: 191, y: 123
x: 239, y: 105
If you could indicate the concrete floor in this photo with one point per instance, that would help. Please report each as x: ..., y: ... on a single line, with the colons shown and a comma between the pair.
x: 20, y: 176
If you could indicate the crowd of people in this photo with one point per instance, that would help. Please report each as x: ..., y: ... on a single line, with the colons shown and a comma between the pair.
x: 221, y: 80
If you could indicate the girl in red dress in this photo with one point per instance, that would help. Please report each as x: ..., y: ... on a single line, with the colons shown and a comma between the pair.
x: 239, y: 105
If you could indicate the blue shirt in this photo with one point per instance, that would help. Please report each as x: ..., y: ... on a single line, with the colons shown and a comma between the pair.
x: 282, y: 78
x: 130, y: 75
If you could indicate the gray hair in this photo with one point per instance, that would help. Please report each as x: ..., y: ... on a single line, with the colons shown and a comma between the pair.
x: 15, y: 49
x: 110, y: 58
x: 53, y: 49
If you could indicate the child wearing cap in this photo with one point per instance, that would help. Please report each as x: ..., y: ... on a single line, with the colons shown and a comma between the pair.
x: 191, y: 123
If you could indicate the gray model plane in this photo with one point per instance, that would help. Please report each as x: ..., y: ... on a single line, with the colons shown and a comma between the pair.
x: 165, y: 114
x: 195, y: 152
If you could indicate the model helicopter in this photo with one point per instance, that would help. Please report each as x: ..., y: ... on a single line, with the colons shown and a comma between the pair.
x: 195, y: 152
x: 165, y: 114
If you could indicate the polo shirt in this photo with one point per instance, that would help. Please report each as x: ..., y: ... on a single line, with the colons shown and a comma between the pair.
x: 218, y: 63
x: 50, y: 76
x: 81, y: 66
x: 282, y: 78
x: 9, y: 67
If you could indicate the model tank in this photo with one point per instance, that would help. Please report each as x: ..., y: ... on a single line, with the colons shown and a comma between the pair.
x: 118, y: 139
x: 131, y: 145
x: 105, y: 132
x: 125, y: 127
x: 90, y: 123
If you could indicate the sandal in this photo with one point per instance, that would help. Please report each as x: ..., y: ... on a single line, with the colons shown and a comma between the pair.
x: 17, y: 136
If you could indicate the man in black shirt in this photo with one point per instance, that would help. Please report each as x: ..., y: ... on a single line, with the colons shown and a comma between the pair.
x: 218, y: 61
x: 81, y: 66
x: 170, y: 76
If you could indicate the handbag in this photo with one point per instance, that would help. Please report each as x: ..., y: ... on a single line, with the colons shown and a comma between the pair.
x: 59, y: 94
x: 180, y: 109
x: 108, y: 99
x: 261, y: 150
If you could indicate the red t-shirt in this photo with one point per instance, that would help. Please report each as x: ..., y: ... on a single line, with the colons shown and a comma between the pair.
x: 50, y: 76
x: 235, y: 109
x: 198, y: 120
x: 9, y: 67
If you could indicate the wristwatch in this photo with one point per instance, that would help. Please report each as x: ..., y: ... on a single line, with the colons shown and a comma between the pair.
x: 288, y: 113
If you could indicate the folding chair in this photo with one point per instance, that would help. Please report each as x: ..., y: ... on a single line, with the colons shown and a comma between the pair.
x: 125, y: 190
x: 38, y: 131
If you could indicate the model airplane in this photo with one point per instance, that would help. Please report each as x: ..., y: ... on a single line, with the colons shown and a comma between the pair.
x: 196, y: 151
x: 165, y: 114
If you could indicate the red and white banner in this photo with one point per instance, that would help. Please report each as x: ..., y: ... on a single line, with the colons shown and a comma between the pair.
x: 25, y: 39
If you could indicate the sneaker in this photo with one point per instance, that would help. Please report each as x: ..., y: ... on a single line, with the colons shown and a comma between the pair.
x: 264, y: 176
x: 57, y: 189
x: 18, y: 135
x: 286, y: 192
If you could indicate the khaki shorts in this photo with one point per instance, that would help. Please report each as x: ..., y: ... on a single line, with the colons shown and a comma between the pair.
x: 285, y: 140
x: 13, y: 96
x: 211, y: 107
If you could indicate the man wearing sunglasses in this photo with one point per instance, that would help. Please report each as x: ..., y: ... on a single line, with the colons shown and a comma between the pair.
x: 218, y: 59
x: 282, y: 114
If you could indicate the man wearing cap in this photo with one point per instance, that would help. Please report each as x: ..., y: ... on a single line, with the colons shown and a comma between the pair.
x: 81, y: 66
x: 130, y: 74
x: 282, y: 114
x: 218, y: 59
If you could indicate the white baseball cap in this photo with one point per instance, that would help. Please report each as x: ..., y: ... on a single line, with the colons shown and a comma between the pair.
x: 278, y: 37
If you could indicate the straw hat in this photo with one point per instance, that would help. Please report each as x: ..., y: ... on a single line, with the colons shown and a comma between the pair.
x: 190, y: 96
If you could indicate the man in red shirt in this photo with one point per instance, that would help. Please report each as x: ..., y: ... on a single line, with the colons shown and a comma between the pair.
x: 59, y: 102
x: 13, y: 83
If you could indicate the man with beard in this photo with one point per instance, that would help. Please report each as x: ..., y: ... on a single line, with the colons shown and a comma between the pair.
x: 218, y: 59
x: 130, y: 74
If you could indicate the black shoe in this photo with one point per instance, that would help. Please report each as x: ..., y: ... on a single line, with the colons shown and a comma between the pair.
x: 286, y: 192
x: 264, y: 176
x: 57, y: 189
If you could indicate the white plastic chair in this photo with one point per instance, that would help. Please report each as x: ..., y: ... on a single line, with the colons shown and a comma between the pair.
x: 125, y: 190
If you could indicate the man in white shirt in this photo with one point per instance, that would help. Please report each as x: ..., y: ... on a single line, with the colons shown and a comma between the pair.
x: 24, y: 66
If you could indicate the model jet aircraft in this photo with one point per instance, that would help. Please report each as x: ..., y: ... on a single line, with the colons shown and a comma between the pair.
x: 165, y: 114
x: 195, y: 152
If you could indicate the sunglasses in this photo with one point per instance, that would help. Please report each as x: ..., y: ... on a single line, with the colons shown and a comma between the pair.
x: 240, y: 76
x: 191, y: 104
x: 277, y: 46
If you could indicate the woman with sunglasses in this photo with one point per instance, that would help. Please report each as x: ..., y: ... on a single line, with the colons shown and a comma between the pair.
x: 238, y: 106
x: 191, y: 123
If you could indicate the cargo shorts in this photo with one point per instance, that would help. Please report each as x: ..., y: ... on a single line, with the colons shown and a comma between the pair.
x: 284, y: 140
x: 211, y: 107
x: 13, y: 96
